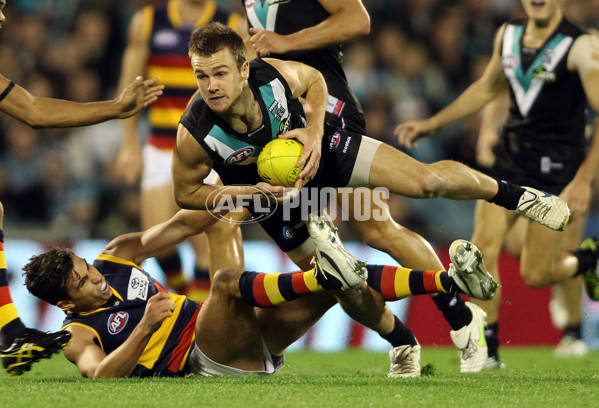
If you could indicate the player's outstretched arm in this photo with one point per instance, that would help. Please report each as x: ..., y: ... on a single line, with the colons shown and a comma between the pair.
x: 584, y: 58
x: 139, y: 246
x: 49, y: 112
x: 348, y: 20
x: 129, y: 162
x: 477, y: 95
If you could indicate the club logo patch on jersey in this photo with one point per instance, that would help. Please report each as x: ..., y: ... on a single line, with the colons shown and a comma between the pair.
x: 542, y: 74
x: 278, y: 109
x: 510, y: 61
x: 138, y: 285
x: 334, y: 141
x: 240, y: 155
x: 250, y: 3
x: 166, y: 38
x: 117, y: 322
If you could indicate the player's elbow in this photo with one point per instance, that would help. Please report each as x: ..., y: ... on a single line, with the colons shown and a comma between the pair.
x: 183, y: 201
x: 34, y: 121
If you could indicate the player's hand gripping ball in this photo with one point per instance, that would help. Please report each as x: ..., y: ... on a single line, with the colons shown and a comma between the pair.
x: 276, y: 163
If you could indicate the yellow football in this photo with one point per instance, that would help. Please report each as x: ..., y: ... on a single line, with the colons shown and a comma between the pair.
x: 276, y: 163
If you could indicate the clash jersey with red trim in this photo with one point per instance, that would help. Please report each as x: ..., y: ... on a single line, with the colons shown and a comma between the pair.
x: 167, y: 350
x: 168, y: 39
x: 290, y: 16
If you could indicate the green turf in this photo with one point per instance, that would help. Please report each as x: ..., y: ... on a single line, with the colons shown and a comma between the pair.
x: 534, y: 378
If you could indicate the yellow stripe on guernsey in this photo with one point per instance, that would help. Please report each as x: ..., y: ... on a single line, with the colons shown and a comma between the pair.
x: 271, y: 285
x: 154, y: 347
x: 165, y: 117
x: 115, y: 259
x: 311, y: 282
x: 233, y: 21
x: 88, y: 328
x: 174, y: 77
x: 438, y: 281
x: 402, y: 284
x: 8, y: 313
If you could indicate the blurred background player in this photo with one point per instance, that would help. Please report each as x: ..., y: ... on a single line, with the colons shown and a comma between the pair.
x: 550, y: 68
x: 157, y: 45
x: 565, y: 307
x: 311, y: 32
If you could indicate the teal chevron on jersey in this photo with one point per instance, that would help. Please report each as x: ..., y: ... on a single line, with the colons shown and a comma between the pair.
x: 231, y: 149
x: 262, y: 14
x: 527, y: 85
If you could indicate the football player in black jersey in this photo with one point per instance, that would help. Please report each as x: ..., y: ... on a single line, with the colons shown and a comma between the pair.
x: 311, y: 32
x: 242, y: 105
x: 550, y: 68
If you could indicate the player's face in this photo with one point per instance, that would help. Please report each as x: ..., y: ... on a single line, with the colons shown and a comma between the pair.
x: 87, y: 287
x: 2, y: 17
x: 541, y: 10
x: 219, y: 80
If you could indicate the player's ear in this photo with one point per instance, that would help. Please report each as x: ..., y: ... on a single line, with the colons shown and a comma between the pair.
x: 245, y: 70
x: 65, y: 305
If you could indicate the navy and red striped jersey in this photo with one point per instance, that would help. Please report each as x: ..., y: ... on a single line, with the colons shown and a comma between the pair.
x: 167, y: 350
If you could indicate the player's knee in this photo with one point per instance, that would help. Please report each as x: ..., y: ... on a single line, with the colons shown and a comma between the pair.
x: 372, y: 235
x: 534, y: 278
x: 224, y: 278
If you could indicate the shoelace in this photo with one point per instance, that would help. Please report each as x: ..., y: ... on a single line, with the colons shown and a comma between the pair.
x: 469, y: 351
x: 539, y: 209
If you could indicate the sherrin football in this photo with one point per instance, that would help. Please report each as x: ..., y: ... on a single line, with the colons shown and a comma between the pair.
x: 276, y: 163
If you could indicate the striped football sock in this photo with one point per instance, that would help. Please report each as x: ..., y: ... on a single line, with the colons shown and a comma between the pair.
x: 10, y: 323
x: 271, y: 289
x: 395, y: 283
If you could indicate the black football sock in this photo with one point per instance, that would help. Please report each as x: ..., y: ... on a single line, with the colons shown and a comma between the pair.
x: 454, y: 309
x: 400, y: 335
x: 507, y: 195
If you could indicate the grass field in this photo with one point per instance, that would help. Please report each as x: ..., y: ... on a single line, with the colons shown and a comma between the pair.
x: 354, y: 378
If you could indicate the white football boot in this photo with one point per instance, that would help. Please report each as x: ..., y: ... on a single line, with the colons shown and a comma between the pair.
x: 544, y: 208
x: 469, y: 271
x: 335, y: 268
x: 405, y: 361
x: 470, y: 341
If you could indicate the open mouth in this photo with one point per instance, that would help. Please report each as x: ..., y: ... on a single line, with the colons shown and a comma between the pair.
x: 104, y: 286
x: 537, y: 4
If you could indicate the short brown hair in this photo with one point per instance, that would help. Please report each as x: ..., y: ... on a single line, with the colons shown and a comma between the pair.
x: 214, y: 37
x: 47, y: 274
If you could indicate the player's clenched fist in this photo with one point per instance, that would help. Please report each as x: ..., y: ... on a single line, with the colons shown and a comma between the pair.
x: 159, y: 307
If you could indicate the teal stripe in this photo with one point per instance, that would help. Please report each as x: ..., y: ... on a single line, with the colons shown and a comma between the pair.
x: 269, y: 98
x: 525, y: 79
x: 522, y: 78
x: 234, y: 143
x: 261, y: 11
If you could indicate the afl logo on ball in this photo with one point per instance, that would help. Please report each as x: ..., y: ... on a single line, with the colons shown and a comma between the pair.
x: 117, y: 322
x: 334, y: 140
x: 239, y: 155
